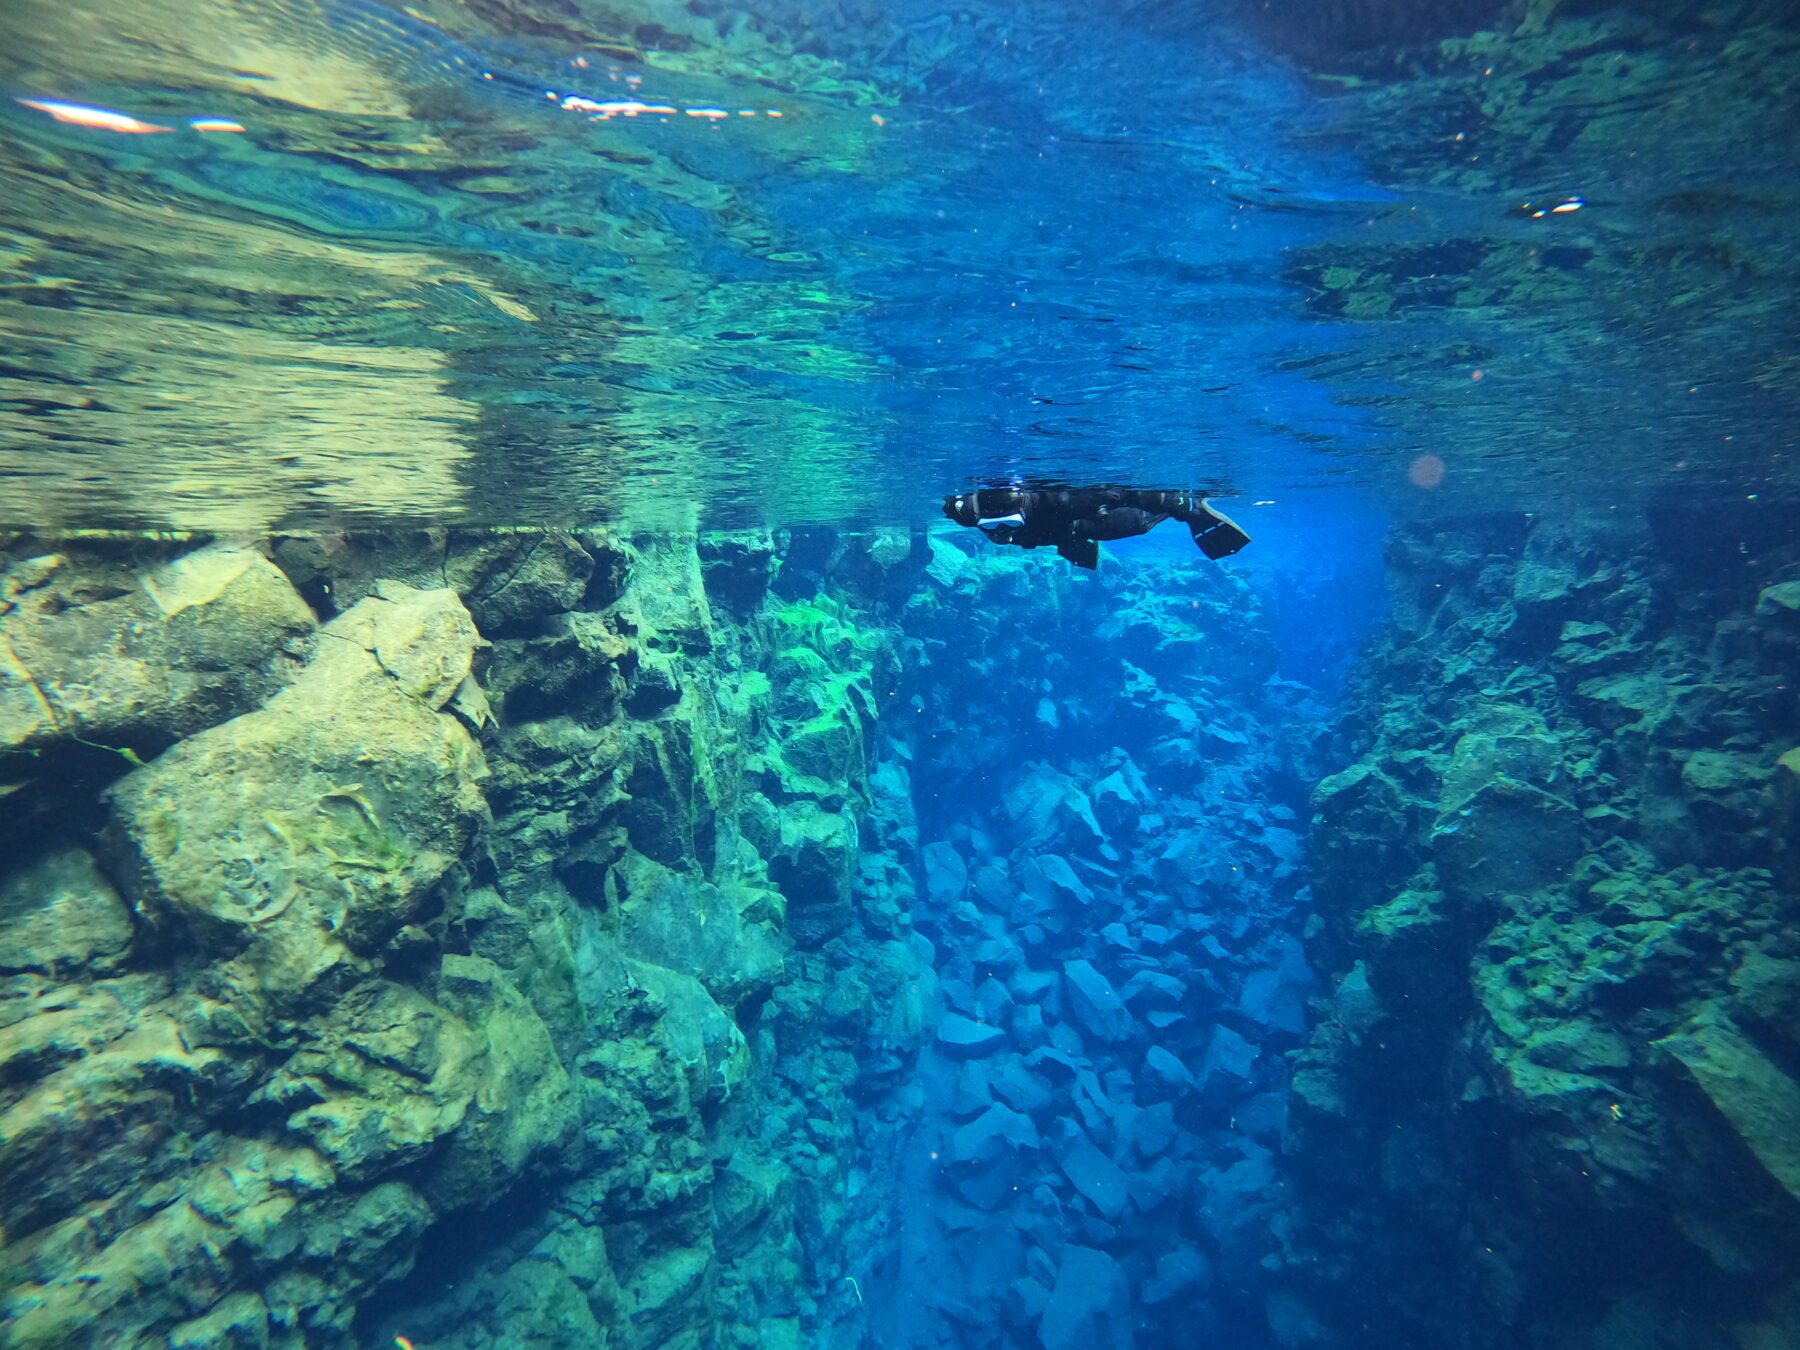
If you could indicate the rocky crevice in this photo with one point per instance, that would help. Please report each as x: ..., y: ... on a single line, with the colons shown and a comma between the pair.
x: 1110, y: 782
x: 827, y: 940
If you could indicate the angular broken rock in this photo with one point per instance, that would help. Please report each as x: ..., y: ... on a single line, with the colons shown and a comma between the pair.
x: 328, y: 815
x: 1090, y: 1307
x: 1162, y: 1067
x: 1095, y: 1004
x: 138, y: 658
x: 959, y: 1035
x: 1097, y: 1177
x: 60, y: 916
x: 1754, y: 1097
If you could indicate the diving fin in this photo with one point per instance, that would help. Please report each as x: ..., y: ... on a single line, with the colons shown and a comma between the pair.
x: 1218, y: 535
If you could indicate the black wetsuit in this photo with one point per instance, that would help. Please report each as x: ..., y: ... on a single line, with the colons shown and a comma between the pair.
x: 1074, y: 520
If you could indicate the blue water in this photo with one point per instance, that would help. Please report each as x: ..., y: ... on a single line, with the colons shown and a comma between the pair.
x: 1222, y: 247
x: 814, y: 923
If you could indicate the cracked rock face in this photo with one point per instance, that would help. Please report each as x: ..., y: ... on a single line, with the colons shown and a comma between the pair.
x: 338, y: 1001
x: 504, y: 578
x: 655, y: 944
x: 334, y: 808
x: 1554, y: 1079
x: 134, y: 656
x: 230, y: 1036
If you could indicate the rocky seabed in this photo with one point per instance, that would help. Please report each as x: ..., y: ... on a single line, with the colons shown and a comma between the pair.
x: 816, y: 939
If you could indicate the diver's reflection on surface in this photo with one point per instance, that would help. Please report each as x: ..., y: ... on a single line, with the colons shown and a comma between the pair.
x: 1073, y: 520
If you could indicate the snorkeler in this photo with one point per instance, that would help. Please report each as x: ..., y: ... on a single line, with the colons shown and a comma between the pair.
x: 1074, y: 520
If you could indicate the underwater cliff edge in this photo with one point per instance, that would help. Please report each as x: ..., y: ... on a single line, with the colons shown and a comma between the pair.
x: 812, y: 938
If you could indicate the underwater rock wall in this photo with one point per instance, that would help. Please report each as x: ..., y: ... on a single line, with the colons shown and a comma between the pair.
x: 453, y: 936
x: 1109, y: 782
x: 514, y: 939
x: 1551, y: 1096
x: 244, y: 1069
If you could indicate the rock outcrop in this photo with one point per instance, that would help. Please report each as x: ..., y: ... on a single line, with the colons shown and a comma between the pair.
x: 1550, y: 1074
x: 461, y: 936
x: 825, y: 939
x: 242, y: 1085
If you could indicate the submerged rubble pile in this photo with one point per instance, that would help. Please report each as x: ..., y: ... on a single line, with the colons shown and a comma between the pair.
x: 1109, y: 789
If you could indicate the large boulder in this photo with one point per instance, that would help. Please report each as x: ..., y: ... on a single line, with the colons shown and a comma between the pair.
x: 735, y: 569
x: 964, y: 1037
x: 946, y: 875
x: 724, y: 936
x: 467, y: 1091
x: 1166, y: 1074
x: 1228, y: 1067
x: 1363, y: 838
x: 1569, y: 572
x: 1096, y: 1177
x: 1503, y: 825
x: 134, y: 658
x: 60, y: 917
x: 1095, y: 1004
x: 1089, y: 1308
x: 667, y: 605
x: 813, y: 862
x: 1049, y: 892
x: 1273, y: 999
x: 320, y: 823
x: 520, y: 1115
x: 1180, y: 1272
x: 987, y: 1154
x: 506, y: 578
x: 1506, y: 838
x: 1755, y: 1098
x: 1782, y: 802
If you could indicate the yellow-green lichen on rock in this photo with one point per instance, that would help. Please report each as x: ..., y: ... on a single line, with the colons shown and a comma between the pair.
x: 323, y: 819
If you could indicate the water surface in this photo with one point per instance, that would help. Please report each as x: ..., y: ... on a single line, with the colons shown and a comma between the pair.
x: 520, y: 262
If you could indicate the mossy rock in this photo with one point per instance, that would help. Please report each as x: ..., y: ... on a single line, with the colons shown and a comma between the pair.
x: 688, y: 924
x: 60, y: 917
x: 505, y: 577
x: 1782, y: 803
x: 321, y: 822
x: 1506, y: 838
x: 1754, y: 1097
x: 814, y: 865
x: 100, y: 651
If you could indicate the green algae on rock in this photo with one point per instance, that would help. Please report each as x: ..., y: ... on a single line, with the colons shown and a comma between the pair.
x: 130, y: 653
x: 433, y: 960
x: 1564, y: 893
x: 334, y: 808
